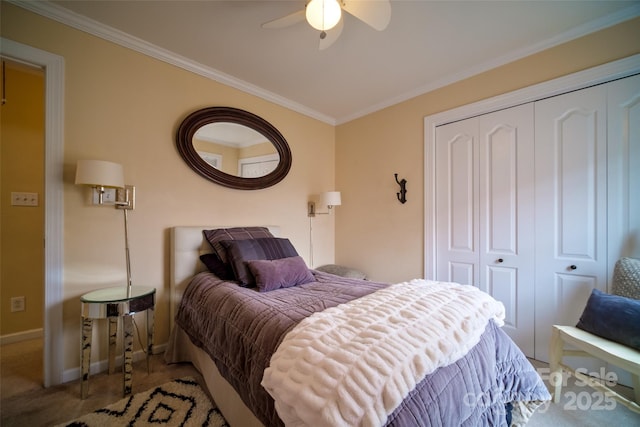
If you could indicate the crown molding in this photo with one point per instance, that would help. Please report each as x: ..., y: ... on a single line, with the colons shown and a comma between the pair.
x: 88, y: 25
x: 121, y: 38
x: 577, y: 32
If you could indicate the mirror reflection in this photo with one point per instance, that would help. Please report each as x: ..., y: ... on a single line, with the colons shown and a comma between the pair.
x: 235, y: 149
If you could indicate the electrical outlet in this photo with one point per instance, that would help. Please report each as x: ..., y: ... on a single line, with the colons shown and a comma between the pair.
x: 24, y: 199
x: 17, y: 304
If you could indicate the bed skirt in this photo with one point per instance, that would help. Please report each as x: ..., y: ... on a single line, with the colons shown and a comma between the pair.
x: 180, y: 349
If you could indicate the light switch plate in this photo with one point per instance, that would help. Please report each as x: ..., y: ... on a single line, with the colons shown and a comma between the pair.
x: 24, y: 199
x: 17, y: 304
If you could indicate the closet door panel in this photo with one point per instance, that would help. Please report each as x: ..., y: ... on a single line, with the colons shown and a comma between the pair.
x: 571, y: 207
x: 623, y: 98
x: 500, y: 198
x: 456, y: 201
x: 502, y: 284
x: 623, y: 125
x: 506, y: 217
x: 460, y: 272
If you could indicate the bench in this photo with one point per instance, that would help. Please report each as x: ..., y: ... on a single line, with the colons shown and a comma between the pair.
x: 594, y: 346
x: 626, y: 282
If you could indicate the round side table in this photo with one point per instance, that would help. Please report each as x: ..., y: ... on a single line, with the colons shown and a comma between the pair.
x: 112, y: 303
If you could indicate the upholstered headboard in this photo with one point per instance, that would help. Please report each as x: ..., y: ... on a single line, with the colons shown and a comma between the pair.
x: 185, y: 245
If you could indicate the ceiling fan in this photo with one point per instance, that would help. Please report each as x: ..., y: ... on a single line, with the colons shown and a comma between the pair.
x: 326, y: 16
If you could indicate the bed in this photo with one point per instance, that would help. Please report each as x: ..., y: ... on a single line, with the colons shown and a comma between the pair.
x: 483, y: 379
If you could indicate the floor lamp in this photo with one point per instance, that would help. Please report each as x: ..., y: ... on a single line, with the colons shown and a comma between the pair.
x: 107, y: 181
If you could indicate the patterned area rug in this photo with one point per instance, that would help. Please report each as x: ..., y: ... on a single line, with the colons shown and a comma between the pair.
x: 178, y: 403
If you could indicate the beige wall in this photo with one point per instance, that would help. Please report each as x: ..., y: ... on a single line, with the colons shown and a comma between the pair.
x: 125, y: 107
x: 22, y: 228
x: 376, y: 233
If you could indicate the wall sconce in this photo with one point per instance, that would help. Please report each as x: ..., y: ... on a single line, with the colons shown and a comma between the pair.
x: 102, y: 176
x: 328, y: 199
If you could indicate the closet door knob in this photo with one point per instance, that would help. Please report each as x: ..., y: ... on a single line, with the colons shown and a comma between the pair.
x: 573, y: 267
x: 499, y: 260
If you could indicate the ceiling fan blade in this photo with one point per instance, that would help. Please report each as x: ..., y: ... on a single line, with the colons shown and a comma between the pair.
x: 375, y: 13
x: 285, y: 21
x: 332, y: 35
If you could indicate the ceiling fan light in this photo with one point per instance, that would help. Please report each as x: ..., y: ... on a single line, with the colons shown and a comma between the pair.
x: 323, y: 14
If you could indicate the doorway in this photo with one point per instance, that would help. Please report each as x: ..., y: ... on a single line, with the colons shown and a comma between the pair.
x: 22, y: 198
x: 53, y: 66
x: 22, y: 254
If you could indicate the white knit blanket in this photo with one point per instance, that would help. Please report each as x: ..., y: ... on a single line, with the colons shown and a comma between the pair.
x: 353, y: 364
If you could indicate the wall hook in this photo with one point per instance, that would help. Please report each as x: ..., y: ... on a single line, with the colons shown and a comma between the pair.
x: 402, y: 195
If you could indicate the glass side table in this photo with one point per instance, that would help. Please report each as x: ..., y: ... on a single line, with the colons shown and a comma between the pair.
x: 112, y: 303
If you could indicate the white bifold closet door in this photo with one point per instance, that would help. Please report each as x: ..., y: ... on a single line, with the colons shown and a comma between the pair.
x: 485, y: 212
x: 571, y: 207
x: 623, y: 192
x: 536, y: 203
x: 587, y: 198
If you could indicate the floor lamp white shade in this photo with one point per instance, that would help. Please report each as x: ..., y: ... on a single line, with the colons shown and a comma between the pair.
x: 100, y: 173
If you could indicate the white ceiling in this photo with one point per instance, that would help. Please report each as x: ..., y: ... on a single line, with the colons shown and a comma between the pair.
x: 427, y: 44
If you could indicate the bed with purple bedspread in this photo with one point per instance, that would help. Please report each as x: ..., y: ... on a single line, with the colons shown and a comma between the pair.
x: 240, y: 329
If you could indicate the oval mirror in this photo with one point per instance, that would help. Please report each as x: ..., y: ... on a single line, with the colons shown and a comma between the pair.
x: 233, y: 148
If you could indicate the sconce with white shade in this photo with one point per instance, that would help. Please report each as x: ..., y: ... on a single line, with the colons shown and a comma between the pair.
x: 328, y: 199
x: 101, y: 176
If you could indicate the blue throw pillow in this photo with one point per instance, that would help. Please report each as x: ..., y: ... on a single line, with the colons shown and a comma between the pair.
x: 613, y: 317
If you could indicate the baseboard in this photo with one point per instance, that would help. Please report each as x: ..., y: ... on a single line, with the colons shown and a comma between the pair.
x: 102, y: 365
x: 21, y: 336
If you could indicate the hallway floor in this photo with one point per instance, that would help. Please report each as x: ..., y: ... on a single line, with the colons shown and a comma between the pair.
x: 24, y: 401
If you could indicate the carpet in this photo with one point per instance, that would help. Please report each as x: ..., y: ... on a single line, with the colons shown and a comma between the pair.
x: 180, y: 402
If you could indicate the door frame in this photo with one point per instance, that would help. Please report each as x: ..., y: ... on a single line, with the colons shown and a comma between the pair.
x: 53, y: 66
x: 580, y: 80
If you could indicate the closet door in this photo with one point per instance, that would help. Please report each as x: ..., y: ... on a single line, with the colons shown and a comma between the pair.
x: 571, y: 207
x: 623, y: 126
x: 507, y: 218
x: 484, y: 211
x: 623, y: 143
x: 457, y: 219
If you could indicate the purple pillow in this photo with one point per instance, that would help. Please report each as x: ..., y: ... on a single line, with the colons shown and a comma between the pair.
x: 216, y: 266
x: 241, y: 251
x: 214, y: 237
x: 280, y: 273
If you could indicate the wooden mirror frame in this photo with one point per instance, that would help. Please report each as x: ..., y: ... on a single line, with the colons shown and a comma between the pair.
x: 205, y: 116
